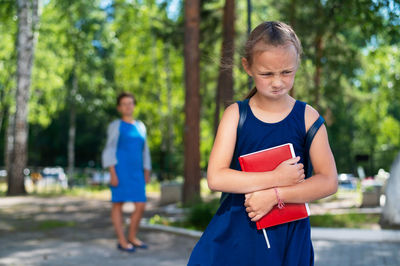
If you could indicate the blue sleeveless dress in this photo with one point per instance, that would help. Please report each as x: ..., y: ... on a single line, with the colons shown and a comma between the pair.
x: 232, y: 238
x: 131, y: 182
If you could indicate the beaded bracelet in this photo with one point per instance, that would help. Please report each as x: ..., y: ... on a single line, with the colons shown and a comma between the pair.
x: 281, y: 204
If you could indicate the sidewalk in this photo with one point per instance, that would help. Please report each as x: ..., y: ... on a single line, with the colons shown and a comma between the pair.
x: 87, y: 238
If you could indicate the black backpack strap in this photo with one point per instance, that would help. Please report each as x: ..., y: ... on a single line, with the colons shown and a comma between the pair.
x: 242, y: 117
x: 309, y: 138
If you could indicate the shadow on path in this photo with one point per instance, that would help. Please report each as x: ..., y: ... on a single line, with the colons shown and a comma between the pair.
x: 76, y: 231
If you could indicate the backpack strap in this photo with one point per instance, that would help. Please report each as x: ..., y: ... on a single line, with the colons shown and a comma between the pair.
x: 242, y: 117
x: 309, y: 138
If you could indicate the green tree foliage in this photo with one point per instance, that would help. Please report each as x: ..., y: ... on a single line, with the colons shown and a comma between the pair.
x: 377, y: 123
x: 75, y: 46
x: 149, y: 63
x: 8, y: 66
x: 137, y: 46
x: 334, y: 41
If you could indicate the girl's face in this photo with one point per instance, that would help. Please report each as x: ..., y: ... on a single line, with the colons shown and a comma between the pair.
x: 126, y: 106
x: 273, y: 70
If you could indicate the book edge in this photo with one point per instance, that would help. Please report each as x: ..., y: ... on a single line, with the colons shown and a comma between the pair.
x: 275, y: 147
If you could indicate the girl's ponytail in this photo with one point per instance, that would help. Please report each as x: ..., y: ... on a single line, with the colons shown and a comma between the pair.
x: 251, y: 93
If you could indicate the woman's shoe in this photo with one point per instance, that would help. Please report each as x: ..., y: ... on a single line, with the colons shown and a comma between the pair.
x: 143, y: 245
x: 130, y: 249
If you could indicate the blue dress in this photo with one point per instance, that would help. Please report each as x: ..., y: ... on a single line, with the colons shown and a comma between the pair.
x: 129, y: 167
x: 232, y: 238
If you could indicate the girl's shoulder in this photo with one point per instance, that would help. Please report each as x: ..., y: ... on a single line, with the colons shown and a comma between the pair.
x: 232, y: 111
x: 310, y: 116
x: 230, y: 118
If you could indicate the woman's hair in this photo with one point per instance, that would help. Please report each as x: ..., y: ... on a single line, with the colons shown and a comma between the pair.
x: 125, y: 94
x: 270, y: 33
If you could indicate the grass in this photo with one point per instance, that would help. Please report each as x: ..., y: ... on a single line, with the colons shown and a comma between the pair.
x: 89, y: 191
x: 53, y: 224
x: 349, y: 220
x: 3, y: 189
x: 200, y: 214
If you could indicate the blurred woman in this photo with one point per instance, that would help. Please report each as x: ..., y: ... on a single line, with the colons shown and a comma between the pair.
x: 127, y: 157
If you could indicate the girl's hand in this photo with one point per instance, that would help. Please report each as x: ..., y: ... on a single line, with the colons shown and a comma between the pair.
x: 259, y: 203
x: 290, y: 172
x: 114, y: 180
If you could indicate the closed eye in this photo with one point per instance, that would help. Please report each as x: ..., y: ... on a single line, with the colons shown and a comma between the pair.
x: 266, y: 74
x: 287, y: 72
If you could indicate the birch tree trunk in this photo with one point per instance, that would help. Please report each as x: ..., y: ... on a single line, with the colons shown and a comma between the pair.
x: 9, y: 140
x: 72, y: 127
x: 191, y: 187
x: 27, y: 21
x: 391, y: 211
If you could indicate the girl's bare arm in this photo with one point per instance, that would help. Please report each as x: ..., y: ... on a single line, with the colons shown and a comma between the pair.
x: 324, y: 181
x: 322, y: 184
x: 221, y: 178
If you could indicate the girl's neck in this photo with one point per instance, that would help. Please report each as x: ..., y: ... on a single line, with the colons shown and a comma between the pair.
x: 128, y: 119
x: 268, y: 105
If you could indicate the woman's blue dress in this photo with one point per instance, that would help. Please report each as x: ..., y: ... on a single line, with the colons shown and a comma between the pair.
x: 129, y: 169
x: 232, y: 238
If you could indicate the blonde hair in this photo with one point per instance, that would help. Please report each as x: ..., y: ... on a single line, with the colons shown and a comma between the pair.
x: 270, y: 33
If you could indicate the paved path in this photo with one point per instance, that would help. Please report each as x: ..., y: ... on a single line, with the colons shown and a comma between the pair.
x: 83, y: 235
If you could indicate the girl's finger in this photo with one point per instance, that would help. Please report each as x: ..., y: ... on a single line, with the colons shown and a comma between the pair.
x: 256, y: 218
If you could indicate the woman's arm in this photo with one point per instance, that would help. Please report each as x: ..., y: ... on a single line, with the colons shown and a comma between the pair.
x: 145, y: 154
x: 147, y: 174
x: 109, y: 154
x: 322, y: 184
x: 113, y: 176
x: 221, y: 178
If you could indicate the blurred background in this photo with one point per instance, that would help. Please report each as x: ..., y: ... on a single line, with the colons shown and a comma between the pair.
x: 63, y: 62
x: 83, y: 53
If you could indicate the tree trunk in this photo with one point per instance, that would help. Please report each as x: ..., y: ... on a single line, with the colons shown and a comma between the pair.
x: 72, y: 127
x: 249, y: 11
x: 390, y: 217
x: 9, y: 140
x: 225, y: 77
x: 169, y: 137
x: 292, y: 19
x: 318, y: 69
x: 292, y: 13
x: 191, y: 188
x: 318, y: 46
x: 27, y: 21
x: 3, y: 107
x: 3, y: 113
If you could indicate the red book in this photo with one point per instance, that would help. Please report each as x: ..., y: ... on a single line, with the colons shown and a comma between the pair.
x: 268, y: 160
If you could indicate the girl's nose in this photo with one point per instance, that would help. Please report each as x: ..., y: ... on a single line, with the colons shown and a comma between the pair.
x: 277, y: 81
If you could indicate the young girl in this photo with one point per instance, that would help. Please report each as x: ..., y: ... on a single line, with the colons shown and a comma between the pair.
x: 272, y: 57
x: 127, y: 157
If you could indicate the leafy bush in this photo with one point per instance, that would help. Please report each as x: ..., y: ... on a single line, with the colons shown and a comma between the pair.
x: 200, y: 214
